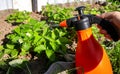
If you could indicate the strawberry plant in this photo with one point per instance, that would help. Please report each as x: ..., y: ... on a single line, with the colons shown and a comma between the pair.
x: 114, y: 55
x: 56, y: 13
x: 110, y: 7
x: 36, y: 37
x: 18, y: 17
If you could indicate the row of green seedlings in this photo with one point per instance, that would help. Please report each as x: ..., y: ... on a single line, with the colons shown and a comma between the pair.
x: 32, y: 37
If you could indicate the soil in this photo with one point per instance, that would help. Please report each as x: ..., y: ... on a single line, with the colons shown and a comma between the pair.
x: 5, y: 27
x: 36, y: 66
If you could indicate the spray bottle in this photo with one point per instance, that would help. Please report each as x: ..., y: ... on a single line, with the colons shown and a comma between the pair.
x: 90, y: 56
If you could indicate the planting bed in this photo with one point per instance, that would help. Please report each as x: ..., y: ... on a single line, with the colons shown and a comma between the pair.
x: 6, y: 28
x: 36, y: 66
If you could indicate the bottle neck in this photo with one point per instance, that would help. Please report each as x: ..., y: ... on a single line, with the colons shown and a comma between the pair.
x: 84, y: 34
x: 87, y: 41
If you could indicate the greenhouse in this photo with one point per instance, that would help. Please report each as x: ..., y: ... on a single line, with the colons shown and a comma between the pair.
x: 59, y: 37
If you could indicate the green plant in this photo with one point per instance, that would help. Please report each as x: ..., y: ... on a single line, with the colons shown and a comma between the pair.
x: 56, y: 13
x: 102, y: 9
x: 110, y: 7
x: 91, y: 10
x: 18, y: 64
x: 113, y: 0
x: 36, y: 37
x: 114, y: 55
x: 18, y: 17
x: 11, y: 66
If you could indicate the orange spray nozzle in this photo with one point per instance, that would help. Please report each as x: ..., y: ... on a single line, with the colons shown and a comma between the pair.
x: 63, y: 23
x: 69, y: 22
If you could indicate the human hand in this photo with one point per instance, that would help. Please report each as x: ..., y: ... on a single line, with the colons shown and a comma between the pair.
x: 113, y: 17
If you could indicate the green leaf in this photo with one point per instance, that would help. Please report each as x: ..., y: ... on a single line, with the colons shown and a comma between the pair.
x: 14, y: 53
x: 39, y: 48
x: 53, y: 35
x: 1, y: 48
x: 58, y: 41
x: 32, y: 21
x: 19, y: 21
x: 64, y: 40
x: 43, y: 24
x: 50, y: 54
x: 56, y: 16
x: 17, y: 30
x: 16, y: 62
x: 36, y: 37
x: 56, y: 31
x: 23, y: 52
x: 10, y: 46
x: 7, y: 51
x: 49, y: 38
x: 26, y: 46
x: 54, y: 46
x: 13, y: 37
x: 36, y: 27
x: 1, y: 54
x: 18, y: 17
x: 62, y: 33
x: 45, y: 31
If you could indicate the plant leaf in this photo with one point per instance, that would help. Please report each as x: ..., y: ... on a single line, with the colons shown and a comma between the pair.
x: 53, y: 35
x: 1, y: 54
x: 14, y: 53
x: 7, y: 51
x: 54, y: 45
x: 50, y: 54
x: 36, y: 37
x: 23, y: 52
x: 17, y: 30
x: 1, y: 48
x: 10, y: 46
x: 58, y: 41
x: 64, y: 40
x: 49, y: 38
x: 16, y: 62
x: 26, y: 46
x: 45, y: 31
x: 39, y: 48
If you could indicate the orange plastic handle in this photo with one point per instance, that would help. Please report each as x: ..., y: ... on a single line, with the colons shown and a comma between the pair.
x: 91, y: 58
